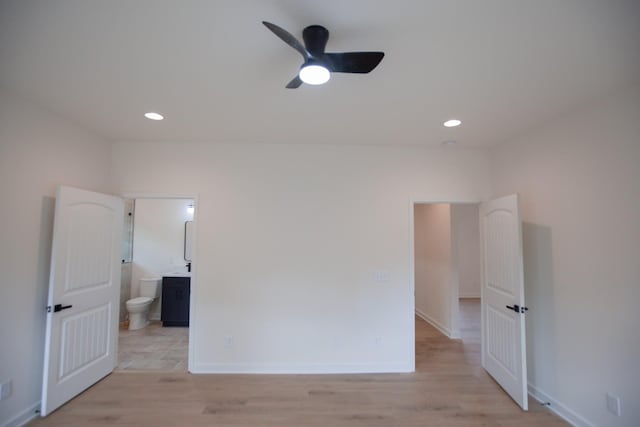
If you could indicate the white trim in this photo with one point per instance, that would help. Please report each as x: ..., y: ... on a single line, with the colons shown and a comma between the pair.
x: 158, y: 196
x: 412, y: 285
x: 29, y: 414
x: 444, y: 200
x: 275, y: 368
x: 454, y: 278
x: 472, y: 295
x: 558, y: 408
x: 445, y: 331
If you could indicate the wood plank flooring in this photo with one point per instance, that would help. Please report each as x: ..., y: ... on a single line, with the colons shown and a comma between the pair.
x: 449, y: 389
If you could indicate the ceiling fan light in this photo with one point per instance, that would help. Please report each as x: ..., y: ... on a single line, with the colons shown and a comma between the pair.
x: 314, y: 74
x: 153, y: 116
x: 452, y: 123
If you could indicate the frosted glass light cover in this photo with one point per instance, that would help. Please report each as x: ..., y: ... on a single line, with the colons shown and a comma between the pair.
x: 314, y: 74
x: 154, y: 116
x: 452, y: 123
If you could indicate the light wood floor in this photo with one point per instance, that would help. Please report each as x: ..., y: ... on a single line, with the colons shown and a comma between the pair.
x: 449, y: 389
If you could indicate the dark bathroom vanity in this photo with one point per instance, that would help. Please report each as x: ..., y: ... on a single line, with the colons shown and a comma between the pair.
x: 176, y: 292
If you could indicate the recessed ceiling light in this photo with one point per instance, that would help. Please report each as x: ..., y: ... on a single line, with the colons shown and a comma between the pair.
x: 153, y: 116
x: 452, y: 123
x: 449, y: 142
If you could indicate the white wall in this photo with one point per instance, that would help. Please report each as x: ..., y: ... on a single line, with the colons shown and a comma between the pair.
x: 579, y: 180
x: 466, y: 233
x: 38, y: 152
x: 158, y: 241
x: 435, y: 272
x: 288, y: 240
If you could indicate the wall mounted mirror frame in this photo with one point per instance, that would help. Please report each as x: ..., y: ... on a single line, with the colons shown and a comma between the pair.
x: 188, y: 239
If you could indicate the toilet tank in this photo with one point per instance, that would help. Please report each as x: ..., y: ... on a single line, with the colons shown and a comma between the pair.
x: 150, y: 287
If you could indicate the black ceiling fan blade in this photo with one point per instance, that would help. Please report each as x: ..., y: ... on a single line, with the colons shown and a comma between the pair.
x: 287, y: 37
x: 353, y: 62
x: 295, y: 83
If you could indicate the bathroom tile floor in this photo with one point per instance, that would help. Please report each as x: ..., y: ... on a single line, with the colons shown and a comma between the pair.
x: 153, y: 348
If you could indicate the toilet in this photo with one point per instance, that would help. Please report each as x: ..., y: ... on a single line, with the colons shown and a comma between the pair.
x: 138, y: 308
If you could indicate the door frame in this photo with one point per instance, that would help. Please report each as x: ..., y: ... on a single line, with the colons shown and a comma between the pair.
x: 194, y: 255
x: 412, y: 259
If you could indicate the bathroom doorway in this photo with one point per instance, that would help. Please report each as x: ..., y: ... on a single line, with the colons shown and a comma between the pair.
x: 157, y: 248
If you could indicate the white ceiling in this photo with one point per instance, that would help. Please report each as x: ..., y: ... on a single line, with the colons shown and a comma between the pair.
x: 218, y: 75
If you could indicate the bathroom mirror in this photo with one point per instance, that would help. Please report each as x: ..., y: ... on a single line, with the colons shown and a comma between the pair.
x: 188, y: 239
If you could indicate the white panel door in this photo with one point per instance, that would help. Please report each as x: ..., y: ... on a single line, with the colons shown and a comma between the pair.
x: 84, y: 290
x: 503, y: 318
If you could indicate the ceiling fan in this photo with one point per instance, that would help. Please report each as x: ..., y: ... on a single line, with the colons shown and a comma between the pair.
x: 318, y: 64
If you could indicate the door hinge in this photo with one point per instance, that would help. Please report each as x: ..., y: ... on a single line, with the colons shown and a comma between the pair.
x: 517, y: 308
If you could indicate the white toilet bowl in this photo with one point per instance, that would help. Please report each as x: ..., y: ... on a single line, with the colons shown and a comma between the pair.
x: 138, y: 308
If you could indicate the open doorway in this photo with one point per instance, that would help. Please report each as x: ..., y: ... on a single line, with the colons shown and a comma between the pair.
x: 156, y: 284
x: 447, y: 271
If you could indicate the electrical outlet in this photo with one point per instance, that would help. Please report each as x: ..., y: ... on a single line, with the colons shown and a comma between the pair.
x: 381, y: 276
x: 613, y: 404
x: 5, y: 390
x: 228, y: 342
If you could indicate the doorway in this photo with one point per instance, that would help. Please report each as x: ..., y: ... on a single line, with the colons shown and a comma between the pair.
x: 435, y: 250
x: 157, y: 249
x: 447, y: 269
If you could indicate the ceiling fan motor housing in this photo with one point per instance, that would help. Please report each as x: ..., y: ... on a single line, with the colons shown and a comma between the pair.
x: 315, y: 39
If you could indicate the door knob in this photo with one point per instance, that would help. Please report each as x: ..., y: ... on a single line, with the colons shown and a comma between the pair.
x: 60, y: 307
x: 517, y: 308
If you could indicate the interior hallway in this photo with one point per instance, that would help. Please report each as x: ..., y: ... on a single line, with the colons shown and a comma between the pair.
x: 449, y: 389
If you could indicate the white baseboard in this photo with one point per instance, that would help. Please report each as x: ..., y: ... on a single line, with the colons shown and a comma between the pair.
x: 23, y: 418
x: 558, y: 408
x: 269, y: 368
x: 445, y: 331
